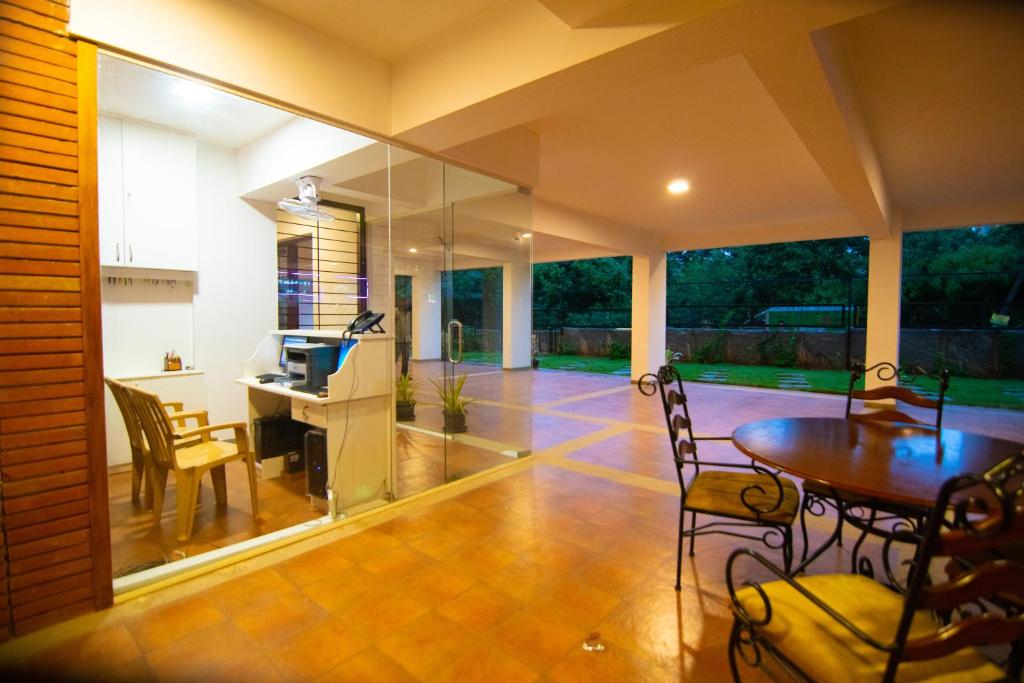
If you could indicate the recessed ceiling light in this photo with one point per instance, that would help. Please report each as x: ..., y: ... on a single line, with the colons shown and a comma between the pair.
x: 679, y: 186
x: 413, y: 250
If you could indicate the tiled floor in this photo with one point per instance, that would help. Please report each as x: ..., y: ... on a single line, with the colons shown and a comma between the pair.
x: 502, y: 582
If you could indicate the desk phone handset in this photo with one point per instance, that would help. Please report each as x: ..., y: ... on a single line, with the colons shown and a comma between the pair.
x: 367, y: 321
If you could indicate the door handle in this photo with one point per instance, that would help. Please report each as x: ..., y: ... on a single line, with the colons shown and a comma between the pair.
x: 117, y: 252
x: 458, y: 327
x: 131, y: 253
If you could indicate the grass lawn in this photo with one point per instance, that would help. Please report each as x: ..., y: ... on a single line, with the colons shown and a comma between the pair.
x: 491, y: 357
x: 989, y: 393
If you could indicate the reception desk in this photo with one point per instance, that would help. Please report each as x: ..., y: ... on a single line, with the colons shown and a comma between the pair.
x: 357, y: 414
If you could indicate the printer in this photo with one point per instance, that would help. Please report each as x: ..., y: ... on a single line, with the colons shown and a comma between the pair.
x: 308, y: 365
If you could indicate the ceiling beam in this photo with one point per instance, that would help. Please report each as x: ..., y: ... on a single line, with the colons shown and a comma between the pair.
x: 806, y: 78
x: 562, y: 221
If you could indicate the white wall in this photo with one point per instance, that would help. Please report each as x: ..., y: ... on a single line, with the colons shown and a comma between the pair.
x: 143, y: 320
x: 236, y: 295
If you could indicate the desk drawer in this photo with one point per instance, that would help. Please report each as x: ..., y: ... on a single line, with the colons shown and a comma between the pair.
x: 310, y: 413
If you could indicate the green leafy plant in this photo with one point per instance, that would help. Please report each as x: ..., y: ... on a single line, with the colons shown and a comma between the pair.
x: 452, y: 400
x: 780, y: 349
x: 618, y: 351
x: 405, y: 389
x: 712, y: 351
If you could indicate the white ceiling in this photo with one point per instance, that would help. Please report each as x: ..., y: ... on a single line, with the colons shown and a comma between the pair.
x: 714, y: 125
x: 385, y: 29
x: 214, y: 116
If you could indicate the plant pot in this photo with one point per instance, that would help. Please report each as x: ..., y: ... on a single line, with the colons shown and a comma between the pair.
x: 454, y: 424
x: 536, y: 363
x: 405, y: 411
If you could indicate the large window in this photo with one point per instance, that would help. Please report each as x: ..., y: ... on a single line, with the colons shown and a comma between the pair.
x: 321, y: 268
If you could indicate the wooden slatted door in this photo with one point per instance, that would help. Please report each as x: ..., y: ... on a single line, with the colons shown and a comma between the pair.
x: 56, y: 554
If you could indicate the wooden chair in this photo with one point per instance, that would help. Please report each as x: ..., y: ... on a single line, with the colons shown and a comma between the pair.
x: 756, y: 497
x: 141, y: 465
x: 189, y: 463
x: 847, y: 627
x: 818, y: 495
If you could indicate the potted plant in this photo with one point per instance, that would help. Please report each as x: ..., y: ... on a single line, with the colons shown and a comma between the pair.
x: 405, y: 397
x: 453, y: 403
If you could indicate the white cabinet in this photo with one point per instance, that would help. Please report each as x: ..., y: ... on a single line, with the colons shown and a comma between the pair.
x: 147, y: 197
x: 111, y: 192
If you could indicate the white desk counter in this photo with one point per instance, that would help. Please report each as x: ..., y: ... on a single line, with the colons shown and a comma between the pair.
x: 357, y: 414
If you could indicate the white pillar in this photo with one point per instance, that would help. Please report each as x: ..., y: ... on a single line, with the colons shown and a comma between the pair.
x: 648, y: 318
x: 885, y: 267
x: 517, y: 310
x: 426, y: 314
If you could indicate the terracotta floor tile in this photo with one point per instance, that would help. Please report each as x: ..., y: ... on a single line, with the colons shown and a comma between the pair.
x: 249, y: 591
x: 217, y: 652
x: 614, y: 665
x: 314, y: 565
x: 370, y: 665
x: 484, y: 662
x: 482, y: 559
x: 437, y: 584
x: 108, y: 653
x: 536, y: 639
x: 577, y: 603
x: 344, y: 589
x: 661, y: 625
x: 524, y: 580
x: 275, y: 621
x: 165, y: 624
x: 366, y: 544
x: 379, y: 615
x: 316, y: 650
x: 397, y: 563
x: 427, y: 644
x: 439, y: 543
x: 559, y: 557
x: 480, y: 608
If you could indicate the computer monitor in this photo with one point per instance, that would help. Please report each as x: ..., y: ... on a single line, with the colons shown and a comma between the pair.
x: 289, y: 339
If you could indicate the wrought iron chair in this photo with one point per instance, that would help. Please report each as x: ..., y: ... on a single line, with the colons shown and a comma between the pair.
x: 869, y: 513
x: 756, y: 497
x: 848, y: 627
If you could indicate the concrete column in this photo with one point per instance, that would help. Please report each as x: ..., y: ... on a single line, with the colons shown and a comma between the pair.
x: 648, y: 319
x: 426, y: 314
x: 517, y: 310
x: 885, y: 268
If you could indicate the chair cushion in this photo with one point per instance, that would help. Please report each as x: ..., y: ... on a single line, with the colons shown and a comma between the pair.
x: 826, y: 651
x: 207, y: 453
x: 718, y: 492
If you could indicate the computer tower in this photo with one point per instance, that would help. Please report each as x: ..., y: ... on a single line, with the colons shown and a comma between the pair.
x: 316, y: 463
x: 280, y: 435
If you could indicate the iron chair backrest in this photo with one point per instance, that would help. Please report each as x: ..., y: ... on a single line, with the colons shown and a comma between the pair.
x: 131, y: 420
x: 886, y: 372
x: 677, y: 416
x: 973, y: 514
x: 156, y: 425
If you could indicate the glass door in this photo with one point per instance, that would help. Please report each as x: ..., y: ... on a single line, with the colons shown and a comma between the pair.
x: 420, y: 309
x: 490, y: 325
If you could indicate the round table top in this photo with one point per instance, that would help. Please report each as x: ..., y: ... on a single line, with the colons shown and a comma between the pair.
x: 892, y: 461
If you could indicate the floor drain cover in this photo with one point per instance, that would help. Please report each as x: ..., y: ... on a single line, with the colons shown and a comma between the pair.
x: 593, y: 643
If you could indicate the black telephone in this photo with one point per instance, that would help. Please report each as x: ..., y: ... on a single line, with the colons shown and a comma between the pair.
x: 365, y: 322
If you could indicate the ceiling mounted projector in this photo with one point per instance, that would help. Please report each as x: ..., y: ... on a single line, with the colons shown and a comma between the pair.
x: 305, y: 205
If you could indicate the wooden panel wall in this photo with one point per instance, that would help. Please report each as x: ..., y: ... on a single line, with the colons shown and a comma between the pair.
x: 334, y: 257
x: 55, y: 526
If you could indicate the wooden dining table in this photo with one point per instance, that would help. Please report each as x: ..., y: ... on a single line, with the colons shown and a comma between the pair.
x: 884, y: 461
